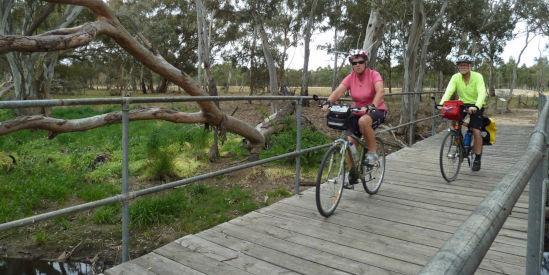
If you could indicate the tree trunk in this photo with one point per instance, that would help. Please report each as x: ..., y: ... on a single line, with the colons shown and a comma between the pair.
x: 307, y: 39
x: 32, y: 78
x: 150, y: 82
x: 491, y: 80
x: 410, y: 59
x: 424, y: 45
x: 204, y: 40
x: 252, y: 64
x: 514, y: 75
x: 162, y: 87
x: 273, y: 85
x: 142, y: 80
x: 336, y: 71
x: 373, y: 36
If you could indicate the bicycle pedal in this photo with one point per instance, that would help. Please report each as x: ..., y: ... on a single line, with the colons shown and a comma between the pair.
x: 348, y: 186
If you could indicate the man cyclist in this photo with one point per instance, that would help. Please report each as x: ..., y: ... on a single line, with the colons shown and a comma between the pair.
x: 472, y: 91
x: 366, y: 89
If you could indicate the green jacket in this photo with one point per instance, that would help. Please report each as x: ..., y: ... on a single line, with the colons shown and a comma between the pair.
x: 472, y: 93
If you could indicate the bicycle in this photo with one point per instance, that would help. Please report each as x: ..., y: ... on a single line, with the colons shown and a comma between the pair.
x: 331, y: 176
x: 454, y: 149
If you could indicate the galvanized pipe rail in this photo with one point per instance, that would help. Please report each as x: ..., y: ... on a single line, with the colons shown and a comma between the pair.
x: 464, y: 251
x: 127, y: 196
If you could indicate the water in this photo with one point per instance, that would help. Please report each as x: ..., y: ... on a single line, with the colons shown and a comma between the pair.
x: 31, y: 267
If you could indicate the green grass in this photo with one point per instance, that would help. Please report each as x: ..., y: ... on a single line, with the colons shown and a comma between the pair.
x: 285, y: 142
x: 87, y: 166
x: 196, y: 207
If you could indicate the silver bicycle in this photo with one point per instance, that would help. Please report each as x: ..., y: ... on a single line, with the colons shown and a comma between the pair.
x: 333, y: 175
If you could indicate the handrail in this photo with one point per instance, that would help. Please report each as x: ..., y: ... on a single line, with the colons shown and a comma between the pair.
x: 126, y: 196
x: 120, y: 100
x: 464, y: 251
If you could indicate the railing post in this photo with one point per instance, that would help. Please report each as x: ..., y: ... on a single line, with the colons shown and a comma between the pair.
x: 125, y: 159
x: 298, y: 146
x: 536, y: 210
x: 433, y: 125
x: 411, y: 127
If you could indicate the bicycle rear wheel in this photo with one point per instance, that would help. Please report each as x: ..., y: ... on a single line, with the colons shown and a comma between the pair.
x: 330, y: 180
x: 451, y: 156
x: 372, y: 175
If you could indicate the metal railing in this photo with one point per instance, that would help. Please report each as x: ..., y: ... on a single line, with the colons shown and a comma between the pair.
x: 127, y: 196
x: 464, y: 251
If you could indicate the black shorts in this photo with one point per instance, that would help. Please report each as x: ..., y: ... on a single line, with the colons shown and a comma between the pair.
x: 378, y: 117
x: 477, y: 119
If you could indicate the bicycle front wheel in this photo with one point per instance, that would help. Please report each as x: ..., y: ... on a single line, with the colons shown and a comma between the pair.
x: 374, y: 173
x: 330, y: 180
x: 451, y: 157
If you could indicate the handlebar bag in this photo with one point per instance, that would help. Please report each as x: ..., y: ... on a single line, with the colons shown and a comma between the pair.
x: 451, y: 109
x: 338, y: 117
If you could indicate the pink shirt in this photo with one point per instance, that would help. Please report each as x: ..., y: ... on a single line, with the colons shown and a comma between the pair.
x: 363, y: 91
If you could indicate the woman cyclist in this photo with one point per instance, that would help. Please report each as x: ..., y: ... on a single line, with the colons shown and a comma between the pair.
x: 366, y: 89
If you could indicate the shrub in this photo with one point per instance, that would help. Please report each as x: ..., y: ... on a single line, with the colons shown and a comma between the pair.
x: 107, y: 214
x: 285, y: 142
x: 161, y: 157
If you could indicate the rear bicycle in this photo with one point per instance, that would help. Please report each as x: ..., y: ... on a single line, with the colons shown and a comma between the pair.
x: 372, y: 174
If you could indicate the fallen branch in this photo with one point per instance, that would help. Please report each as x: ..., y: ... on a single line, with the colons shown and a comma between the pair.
x: 399, y: 142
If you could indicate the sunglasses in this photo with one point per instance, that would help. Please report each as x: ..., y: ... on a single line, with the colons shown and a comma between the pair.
x: 358, y: 62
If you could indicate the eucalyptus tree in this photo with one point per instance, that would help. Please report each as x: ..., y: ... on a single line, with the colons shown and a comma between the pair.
x: 33, y: 73
x: 108, y: 24
x: 374, y: 32
x: 528, y: 39
x: 499, y: 21
x: 307, y: 32
x: 485, y: 26
x: 335, y: 15
x: 537, y: 13
x: 287, y: 24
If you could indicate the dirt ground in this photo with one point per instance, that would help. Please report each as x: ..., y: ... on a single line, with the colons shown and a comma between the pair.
x: 102, y: 244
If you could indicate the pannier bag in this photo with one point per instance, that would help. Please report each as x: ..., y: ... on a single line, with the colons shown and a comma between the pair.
x: 489, y: 131
x: 338, y: 117
x: 451, y: 109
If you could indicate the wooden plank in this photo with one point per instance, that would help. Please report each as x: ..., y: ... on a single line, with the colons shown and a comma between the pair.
x: 196, y: 261
x: 495, y: 262
x: 296, y: 264
x: 330, y: 254
x: 363, y: 221
x: 230, y: 256
x: 162, y: 265
x: 129, y: 268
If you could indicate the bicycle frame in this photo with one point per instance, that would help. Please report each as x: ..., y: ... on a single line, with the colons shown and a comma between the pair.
x: 458, y: 129
x: 343, y: 139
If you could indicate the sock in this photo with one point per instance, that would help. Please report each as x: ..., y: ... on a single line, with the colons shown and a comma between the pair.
x: 477, y: 157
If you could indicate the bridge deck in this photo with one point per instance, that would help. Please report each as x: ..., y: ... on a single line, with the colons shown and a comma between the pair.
x: 394, y: 232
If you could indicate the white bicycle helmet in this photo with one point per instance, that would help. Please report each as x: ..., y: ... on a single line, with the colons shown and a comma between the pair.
x: 464, y: 59
x: 357, y: 53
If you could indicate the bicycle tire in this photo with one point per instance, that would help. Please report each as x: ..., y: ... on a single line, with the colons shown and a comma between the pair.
x: 372, y: 175
x: 451, y: 156
x: 330, y: 180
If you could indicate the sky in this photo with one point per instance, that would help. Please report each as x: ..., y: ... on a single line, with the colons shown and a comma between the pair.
x: 320, y: 58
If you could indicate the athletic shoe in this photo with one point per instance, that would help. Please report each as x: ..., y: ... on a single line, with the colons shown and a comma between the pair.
x: 370, y: 159
x: 476, y: 165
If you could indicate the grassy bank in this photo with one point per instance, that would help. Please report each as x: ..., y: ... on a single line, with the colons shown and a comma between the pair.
x: 80, y: 167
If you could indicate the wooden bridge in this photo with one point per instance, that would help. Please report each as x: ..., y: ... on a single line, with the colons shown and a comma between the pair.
x: 396, y: 231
